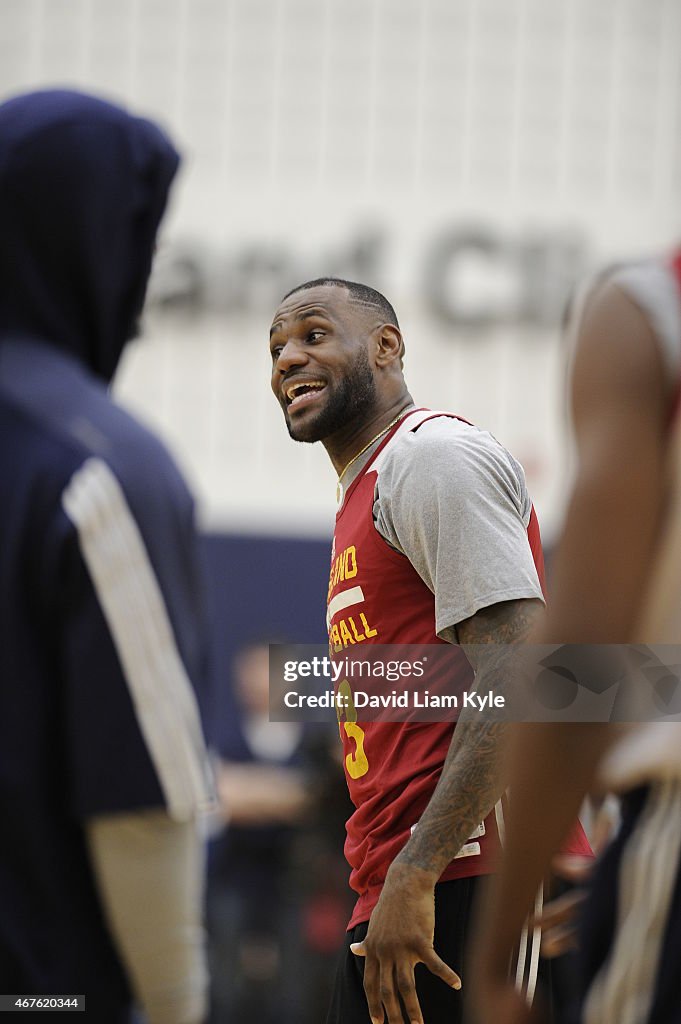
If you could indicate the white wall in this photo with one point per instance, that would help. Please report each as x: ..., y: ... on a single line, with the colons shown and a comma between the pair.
x: 351, y: 136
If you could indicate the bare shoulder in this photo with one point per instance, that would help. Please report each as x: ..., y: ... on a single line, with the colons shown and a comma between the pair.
x: 618, y: 363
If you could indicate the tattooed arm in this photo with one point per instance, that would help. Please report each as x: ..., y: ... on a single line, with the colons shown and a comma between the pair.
x: 470, y: 783
x: 401, y: 929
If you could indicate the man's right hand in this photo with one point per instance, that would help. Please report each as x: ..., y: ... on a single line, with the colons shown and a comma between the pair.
x: 400, y: 935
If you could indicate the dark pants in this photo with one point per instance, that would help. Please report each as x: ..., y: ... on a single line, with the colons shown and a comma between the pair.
x: 440, y: 1003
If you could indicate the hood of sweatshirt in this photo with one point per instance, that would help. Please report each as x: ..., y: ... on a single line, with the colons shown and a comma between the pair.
x: 83, y: 187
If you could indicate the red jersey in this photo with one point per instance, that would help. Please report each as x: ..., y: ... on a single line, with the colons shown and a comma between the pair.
x: 377, y: 597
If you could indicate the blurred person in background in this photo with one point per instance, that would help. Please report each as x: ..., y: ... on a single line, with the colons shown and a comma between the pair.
x: 102, y: 761
x: 445, y: 548
x: 276, y: 898
x: 253, y: 921
x: 617, y: 580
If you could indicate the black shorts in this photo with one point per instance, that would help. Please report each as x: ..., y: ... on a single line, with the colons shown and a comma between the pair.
x: 439, y: 1002
x: 631, y: 928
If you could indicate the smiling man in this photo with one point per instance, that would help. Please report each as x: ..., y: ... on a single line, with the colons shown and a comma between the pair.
x: 446, y: 549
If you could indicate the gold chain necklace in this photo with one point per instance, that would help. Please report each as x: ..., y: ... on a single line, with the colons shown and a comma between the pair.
x: 353, y: 460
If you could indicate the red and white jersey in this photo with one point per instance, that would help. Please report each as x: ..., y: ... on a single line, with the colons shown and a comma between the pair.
x: 376, y: 597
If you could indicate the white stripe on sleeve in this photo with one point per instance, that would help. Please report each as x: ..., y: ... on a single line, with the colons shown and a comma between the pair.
x: 133, y: 606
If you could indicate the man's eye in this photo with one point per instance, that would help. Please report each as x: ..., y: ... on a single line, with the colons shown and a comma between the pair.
x: 315, y: 335
x: 276, y: 351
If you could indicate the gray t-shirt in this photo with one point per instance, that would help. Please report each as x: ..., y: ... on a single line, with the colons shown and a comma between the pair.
x: 454, y: 501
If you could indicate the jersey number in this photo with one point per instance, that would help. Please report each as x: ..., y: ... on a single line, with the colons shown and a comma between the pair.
x: 356, y: 762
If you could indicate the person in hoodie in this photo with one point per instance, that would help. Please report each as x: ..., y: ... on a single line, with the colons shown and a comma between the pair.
x: 102, y: 759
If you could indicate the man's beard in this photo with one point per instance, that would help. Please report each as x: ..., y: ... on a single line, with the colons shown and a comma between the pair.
x: 351, y: 399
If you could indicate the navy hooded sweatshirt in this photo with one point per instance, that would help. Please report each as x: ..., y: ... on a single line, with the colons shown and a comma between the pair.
x: 101, y: 641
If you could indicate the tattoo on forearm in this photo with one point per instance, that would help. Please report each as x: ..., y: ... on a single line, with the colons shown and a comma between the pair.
x: 471, y: 782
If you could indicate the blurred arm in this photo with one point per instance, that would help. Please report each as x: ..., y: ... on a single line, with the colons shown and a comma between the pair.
x: 620, y: 416
x: 149, y: 871
x: 258, y: 794
x: 599, y: 579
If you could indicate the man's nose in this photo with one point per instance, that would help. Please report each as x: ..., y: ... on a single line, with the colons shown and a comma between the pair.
x: 292, y: 354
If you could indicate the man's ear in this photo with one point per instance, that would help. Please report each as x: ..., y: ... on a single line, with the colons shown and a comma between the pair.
x: 389, y: 345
